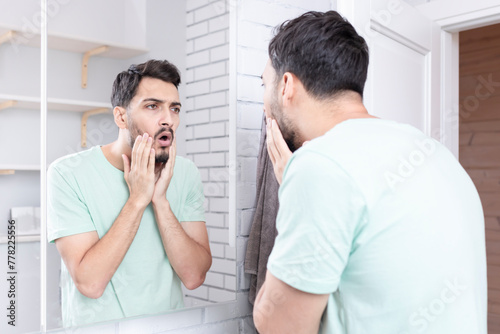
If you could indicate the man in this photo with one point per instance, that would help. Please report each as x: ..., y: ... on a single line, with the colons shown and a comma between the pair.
x: 128, y: 217
x: 357, y: 252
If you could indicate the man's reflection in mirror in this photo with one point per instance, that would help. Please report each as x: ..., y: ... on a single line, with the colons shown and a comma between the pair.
x: 128, y: 217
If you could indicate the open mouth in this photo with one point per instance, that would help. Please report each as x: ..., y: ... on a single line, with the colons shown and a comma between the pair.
x: 164, y: 138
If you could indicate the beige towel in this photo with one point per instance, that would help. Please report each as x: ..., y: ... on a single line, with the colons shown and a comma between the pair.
x: 263, y: 231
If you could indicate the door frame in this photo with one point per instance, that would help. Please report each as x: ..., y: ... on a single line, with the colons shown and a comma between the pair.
x: 453, y: 17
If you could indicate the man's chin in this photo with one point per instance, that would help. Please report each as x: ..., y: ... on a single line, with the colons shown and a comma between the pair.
x: 161, y: 158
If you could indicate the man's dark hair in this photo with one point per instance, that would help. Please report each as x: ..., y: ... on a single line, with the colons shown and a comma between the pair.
x: 324, y: 51
x: 126, y: 82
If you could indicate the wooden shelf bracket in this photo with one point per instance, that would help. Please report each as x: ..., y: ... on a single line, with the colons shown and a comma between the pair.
x: 85, y: 117
x: 85, y: 61
x: 7, y: 36
x: 7, y: 104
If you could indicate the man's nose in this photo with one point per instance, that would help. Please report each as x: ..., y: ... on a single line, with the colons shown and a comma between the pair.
x: 165, y: 119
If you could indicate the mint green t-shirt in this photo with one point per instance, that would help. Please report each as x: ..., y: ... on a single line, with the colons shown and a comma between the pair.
x: 386, y: 221
x: 86, y: 193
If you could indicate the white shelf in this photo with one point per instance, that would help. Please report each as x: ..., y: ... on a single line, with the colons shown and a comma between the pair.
x: 31, y: 102
x: 20, y: 238
x: 27, y: 168
x: 75, y: 44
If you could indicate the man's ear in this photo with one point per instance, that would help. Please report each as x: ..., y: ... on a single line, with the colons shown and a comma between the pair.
x: 289, y: 88
x: 120, y: 116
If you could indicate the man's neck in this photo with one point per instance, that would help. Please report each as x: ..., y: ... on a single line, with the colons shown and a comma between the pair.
x: 322, y: 117
x: 113, y: 152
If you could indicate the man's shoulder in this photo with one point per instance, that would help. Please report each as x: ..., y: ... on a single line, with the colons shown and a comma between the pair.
x: 75, y: 161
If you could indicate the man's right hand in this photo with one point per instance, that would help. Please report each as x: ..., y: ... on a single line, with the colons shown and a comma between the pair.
x: 139, y: 170
x: 278, y: 150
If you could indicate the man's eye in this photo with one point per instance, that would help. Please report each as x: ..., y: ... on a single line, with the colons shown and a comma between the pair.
x: 176, y: 110
x: 152, y: 106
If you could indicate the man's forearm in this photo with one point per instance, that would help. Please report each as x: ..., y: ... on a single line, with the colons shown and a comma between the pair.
x: 101, y: 261
x: 189, y: 259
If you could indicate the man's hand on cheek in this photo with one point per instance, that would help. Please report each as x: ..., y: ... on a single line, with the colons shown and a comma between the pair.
x: 165, y: 176
x: 278, y: 150
x: 139, y: 170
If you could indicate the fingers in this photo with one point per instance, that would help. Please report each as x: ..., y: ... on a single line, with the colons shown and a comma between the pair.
x: 277, y: 148
x: 279, y: 141
x: 135, y: 150
x: 151, y: 163
x: 141, y: 152
x: 271, y: 146
x: 168, y: 170
x: 146, y: 154
x: 166, y: 173
x: 171, y: 155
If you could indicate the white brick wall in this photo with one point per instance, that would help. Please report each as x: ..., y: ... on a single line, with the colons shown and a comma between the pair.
x: 215, y: 219
x: 219, y: 235
x: 197, y: 146
x: 214, y: 280
x: 207, y: 116
x: 219, y: 114
x: 217, y: 250
x: 245, y: 222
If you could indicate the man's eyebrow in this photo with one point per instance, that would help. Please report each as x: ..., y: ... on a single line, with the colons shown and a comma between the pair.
x: 152, y: 99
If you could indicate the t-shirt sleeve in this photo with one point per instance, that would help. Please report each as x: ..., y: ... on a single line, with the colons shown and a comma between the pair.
x: 67, y: 214
x: 194, y: 207
x: 320, y: 207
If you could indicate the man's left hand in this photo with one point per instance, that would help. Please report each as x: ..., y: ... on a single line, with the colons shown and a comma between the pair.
x: 165, y: 175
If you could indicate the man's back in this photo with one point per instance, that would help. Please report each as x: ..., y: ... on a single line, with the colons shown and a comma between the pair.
x: 386, y: 220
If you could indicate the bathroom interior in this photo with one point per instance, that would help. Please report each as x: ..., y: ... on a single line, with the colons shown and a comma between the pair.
x: 220, y: 48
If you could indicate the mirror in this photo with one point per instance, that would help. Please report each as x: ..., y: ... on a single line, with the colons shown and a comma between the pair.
x: 107, y: 41
x: 194, y: 39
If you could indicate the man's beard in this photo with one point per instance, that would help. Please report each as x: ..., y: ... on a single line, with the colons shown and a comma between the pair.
x: 286, y: 127
x: 161, y: 155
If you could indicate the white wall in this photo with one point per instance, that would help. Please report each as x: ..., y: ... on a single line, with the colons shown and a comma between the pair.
x: 207, y: 137
x: 417, y: 2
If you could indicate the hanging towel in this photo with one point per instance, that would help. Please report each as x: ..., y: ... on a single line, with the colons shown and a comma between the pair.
x: 263, y: 231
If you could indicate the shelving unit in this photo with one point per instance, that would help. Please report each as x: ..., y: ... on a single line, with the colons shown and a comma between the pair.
x: 87, y: 48
x: 20, y: 238
x: 70, y: 43
x: 11, y: 169
x: 31, y: 102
